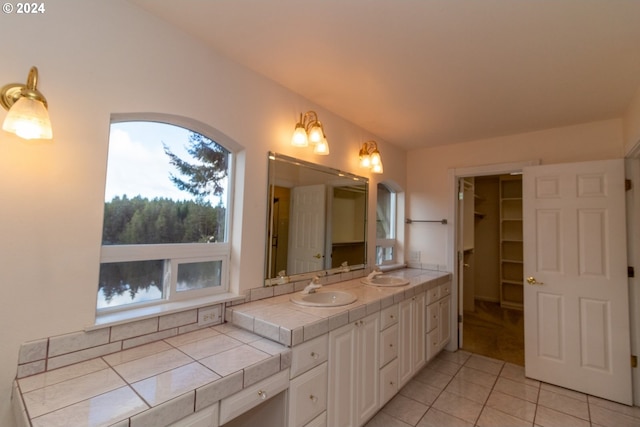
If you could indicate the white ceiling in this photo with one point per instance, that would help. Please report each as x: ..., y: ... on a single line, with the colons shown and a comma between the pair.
x: 428, y: 72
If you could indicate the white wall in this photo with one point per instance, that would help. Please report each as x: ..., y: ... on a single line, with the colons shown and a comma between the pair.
x: 102, y: 57
x: 429, y: 189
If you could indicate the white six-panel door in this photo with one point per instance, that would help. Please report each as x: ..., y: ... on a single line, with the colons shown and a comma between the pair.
x: 306, y: 229
x: 575, y: 291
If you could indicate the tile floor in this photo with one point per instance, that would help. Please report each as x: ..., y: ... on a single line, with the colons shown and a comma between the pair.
x: 463, y: 389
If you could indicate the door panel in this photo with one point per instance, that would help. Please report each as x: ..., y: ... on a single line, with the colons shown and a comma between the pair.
x: 576, y: 301
x: 307, y: 232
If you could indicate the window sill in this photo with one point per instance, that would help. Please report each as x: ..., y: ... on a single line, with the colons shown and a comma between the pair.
x: 126, y: 316
x: 390, y: 267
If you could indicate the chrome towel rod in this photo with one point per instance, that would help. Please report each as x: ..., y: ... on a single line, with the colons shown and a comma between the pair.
x: 409, y: 220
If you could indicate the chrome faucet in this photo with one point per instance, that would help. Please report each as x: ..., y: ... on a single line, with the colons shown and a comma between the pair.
x: 312, y: 286
x: 373, y: 274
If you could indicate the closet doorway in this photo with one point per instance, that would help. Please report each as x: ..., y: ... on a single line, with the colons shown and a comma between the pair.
x: 490, y: 207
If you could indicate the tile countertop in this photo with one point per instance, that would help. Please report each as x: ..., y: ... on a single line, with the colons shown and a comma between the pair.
x: 161, y: 382
x: 153, y: 384
x: 290, y: 324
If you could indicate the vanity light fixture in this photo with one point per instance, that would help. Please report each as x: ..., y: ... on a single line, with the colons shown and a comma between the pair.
x: 28, y: 116
x: 310, y: 130
x: 370, y: 157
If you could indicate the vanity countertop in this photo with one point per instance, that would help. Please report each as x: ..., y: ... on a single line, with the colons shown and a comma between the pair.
x: 290, y: 324
x: 158, y: 383
x: 150, y: 385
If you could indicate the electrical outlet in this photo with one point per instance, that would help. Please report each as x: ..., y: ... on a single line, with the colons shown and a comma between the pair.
x: 209, y: 315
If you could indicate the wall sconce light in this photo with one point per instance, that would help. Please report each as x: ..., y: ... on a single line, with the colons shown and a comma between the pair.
x: 310, y: 130
x: 370, y: 157
x: 28, y: 116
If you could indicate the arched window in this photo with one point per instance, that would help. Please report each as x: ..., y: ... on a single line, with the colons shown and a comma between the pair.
x: 166, y: 216
x: 385, y: 225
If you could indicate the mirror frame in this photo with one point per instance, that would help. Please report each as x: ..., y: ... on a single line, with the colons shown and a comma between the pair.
x: 273, y: 158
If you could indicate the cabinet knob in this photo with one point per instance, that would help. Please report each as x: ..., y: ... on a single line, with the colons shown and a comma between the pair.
x: 391, y: 345
x: 392, y: 316
x: 313, y: 398
x: 314, y: 355
x: 262, y: 394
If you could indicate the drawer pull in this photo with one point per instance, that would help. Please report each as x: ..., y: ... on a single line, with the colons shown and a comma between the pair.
x: 262, y: 394
x: 392, y: 316
x: 313, y: 398
x: 314, y: 355
x: 391, y: 345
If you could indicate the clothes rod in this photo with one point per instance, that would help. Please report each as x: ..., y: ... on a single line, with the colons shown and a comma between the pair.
x: 441, y: 221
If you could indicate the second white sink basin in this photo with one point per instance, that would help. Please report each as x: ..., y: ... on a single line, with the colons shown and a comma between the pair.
x: 324, y: 299
x: 388, y: 281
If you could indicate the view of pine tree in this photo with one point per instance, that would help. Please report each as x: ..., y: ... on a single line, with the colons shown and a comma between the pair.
x: 142, y: 221
x: 205, y: 178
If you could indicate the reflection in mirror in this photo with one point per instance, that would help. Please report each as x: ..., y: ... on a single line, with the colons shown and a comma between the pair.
x: 316, y: 220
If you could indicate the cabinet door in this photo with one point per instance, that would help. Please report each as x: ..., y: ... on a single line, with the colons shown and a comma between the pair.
x: 368, y: 365
x: 405, y: 370
x: 341, y: 404
x: 444, y: 315
x: 418, y: 349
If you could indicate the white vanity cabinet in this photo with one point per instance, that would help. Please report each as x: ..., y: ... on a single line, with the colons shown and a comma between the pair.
x: 412, y: 335
x: 207, y: 417
x: 438, y: 319
x: 353, y: 394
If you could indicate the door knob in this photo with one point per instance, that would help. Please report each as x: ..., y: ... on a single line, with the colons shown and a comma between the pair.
x: 317, y: 256
x: 532, y: 281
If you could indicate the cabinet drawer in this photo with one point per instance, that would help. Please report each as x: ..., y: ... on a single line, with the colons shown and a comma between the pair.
x: 388, y: 345
x: 308, y: 396
x: 433, y: 344
x: 445, y: 289
x: 207, y: 417
x: 432, y: 317
x: 388, y: 382
x: 433, y: 295
x: 309, y: 354
x: 241, y: 402
x: 388, y: 317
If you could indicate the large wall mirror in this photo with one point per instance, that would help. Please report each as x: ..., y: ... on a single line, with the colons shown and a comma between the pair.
x: 316, y: 219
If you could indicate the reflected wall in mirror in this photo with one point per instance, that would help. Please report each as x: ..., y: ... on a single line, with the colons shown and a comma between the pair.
x: 316, y: 219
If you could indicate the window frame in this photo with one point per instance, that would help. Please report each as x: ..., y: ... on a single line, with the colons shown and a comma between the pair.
x: 174, y: 254
x: 389, y: 242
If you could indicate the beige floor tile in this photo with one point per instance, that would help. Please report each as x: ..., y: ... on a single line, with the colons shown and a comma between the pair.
x: 458, y: 406
x: 433, y: 378
x: 471, y: 391
x: 493, y: 418
x: 546, y: 417
x: 608, y: 418
x: 476, y: 377
x: 562, y: 403
x: 420, y: 392
x: 519, y: 408
x: 517, y: 389
x: 436, y: 418
x: 405, y: 409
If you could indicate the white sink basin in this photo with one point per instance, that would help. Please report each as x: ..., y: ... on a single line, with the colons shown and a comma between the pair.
x: 388, y: 281
x: 324, y: 299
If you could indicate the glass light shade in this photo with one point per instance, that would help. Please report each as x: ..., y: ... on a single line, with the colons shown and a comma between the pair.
x: 377, y: 168
x: 299, y: 138
x: 316, y: 135
x: 365, y: 160
x: 375, y: 158
x: 322, y: 147
x: 29, y: 119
